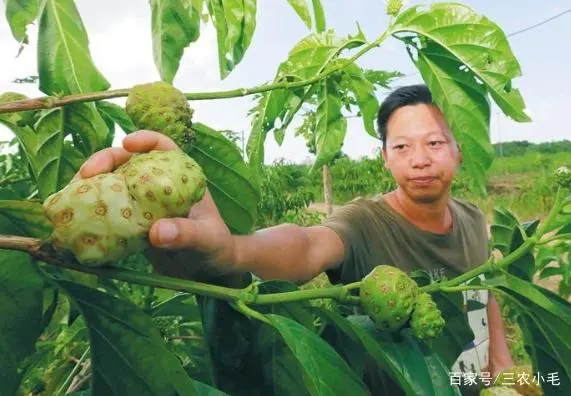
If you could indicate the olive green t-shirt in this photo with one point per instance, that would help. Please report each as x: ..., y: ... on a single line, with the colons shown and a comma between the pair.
x: 373, y: 233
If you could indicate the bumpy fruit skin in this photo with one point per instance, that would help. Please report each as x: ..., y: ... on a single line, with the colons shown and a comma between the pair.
x: 163, y: 183
x: 160, y: 107
x: 519, y: 378
x: 387, y: 297
x: 426, y: 320
x: 105, y: 218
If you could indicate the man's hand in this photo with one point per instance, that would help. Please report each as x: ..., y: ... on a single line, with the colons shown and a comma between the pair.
x: 197, y: 247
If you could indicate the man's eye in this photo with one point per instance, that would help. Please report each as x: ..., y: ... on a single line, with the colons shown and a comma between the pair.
x: 436, y: 142
x: 398, y: 147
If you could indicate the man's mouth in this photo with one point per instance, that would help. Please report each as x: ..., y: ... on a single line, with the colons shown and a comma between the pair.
x: 422, y: 179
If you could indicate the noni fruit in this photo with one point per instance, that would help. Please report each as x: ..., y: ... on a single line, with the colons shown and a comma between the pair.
x: 107, y: 217
x: 160, y: 107
x: 387, y: 296
x: 426, y: 320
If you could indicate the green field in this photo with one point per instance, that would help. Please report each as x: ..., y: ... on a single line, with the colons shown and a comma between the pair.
x: 522, y: 179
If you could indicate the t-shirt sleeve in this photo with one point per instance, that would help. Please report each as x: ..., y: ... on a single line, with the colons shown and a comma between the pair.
x: 352, y: 222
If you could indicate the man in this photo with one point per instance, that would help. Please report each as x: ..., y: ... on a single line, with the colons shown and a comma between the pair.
x: 417, y: 226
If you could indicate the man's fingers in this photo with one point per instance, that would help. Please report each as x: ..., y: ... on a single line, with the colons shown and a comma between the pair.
x: 106, y: 160
x: 177, y: 233
x: 145, y: 141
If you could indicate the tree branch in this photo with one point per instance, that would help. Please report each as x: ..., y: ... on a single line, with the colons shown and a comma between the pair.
x: 49, y: 102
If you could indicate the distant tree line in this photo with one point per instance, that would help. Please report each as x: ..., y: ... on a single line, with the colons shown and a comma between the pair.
x: 521, y: 147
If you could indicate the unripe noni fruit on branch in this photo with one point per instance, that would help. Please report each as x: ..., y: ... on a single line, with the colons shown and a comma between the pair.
x: 387, y: 296
x: 107, y: 217
x: 426, y: 320
x: 160, y: 107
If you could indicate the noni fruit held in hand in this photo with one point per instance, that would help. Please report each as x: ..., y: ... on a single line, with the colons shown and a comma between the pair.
x: 426, y: 320
x: 105, y: 218
x: 387, y: 296
x: 160, y: 107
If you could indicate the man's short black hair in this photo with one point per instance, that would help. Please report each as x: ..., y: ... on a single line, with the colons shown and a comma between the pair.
x: 403, y: 96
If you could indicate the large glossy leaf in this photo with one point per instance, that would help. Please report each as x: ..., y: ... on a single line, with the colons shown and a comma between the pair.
x: 229, y: 349
x: 71, y: 161
x: 277, y: 108
x: 230, y: 180
x: 127, y: 351
x: 545, y: 319
x: 65, y: 65
x: 235, y: 22
x: 182, y: 304
x: 465, y: 106
x: 331, y: 124
x: 364, y: 92
x: 21, y: 306
x: 47, y: 160
x: 21, y: 13
x: 325, y: 371
x: 474, y: 41
x: 118, y: 115
x: 415, y: 368
x: 26, y: 218
x: 301, y: 7
x: 87, y: 127
x: 175, y: 24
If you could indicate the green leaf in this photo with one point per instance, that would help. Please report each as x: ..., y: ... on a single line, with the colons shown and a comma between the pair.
x: 364, y: 92
x: 118, y: 115
x: 25, y: 218
x: 325, y: 371
x: 65, y: 65
x: 415, y: 368
x: 331, y: 125
x: 50, y: 134
x: 503, y: 227
x: 382, y: 78
x: 319, y: 15
x: 21, y: 304
x: 235, y: 22
x: 87, y: 127
x: 127, y: 351
x: 175, y: 24
x: 474, y: 41
x: 465, y: 106
x: 306, y: 60
x: 182, y: 304
x: 21, y: 13
x: 230, y: 350
x: 230, y: 180
x: 301, y: 7
x: 545, y: 319
x: 72, y: 160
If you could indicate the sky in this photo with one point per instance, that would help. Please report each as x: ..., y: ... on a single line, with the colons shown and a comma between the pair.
x: 120, y: 45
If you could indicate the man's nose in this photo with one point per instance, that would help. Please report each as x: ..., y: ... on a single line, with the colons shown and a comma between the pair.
x: 420, y: 158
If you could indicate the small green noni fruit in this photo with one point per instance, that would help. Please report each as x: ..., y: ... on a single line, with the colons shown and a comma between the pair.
x: 107, y: 217
x: 387, y: 296
x: 426, y: 320
x: 160, y: 107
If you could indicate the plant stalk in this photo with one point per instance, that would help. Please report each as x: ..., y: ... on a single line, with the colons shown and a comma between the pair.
x: 49, y: 102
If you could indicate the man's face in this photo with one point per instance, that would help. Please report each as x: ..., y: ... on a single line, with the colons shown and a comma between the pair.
x: 421, y: 152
